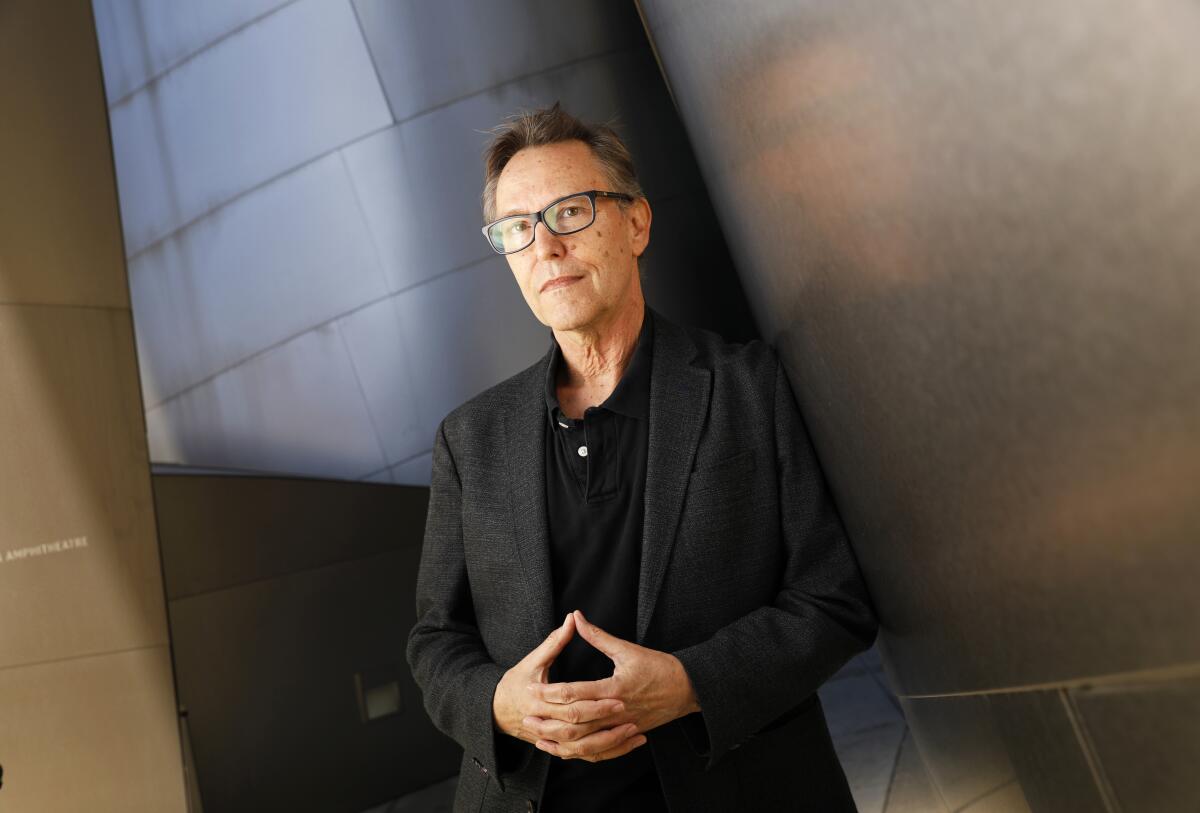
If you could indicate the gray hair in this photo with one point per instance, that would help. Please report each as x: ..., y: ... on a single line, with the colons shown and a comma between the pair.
x: 551, y: 125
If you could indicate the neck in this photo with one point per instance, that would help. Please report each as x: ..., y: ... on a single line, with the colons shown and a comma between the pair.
x: 595, y: 356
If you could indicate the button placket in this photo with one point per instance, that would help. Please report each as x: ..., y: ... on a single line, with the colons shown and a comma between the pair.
x: 587, y: 488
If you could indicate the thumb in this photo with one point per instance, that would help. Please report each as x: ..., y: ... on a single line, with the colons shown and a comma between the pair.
x: 545, y: 652
x: 610, y: 645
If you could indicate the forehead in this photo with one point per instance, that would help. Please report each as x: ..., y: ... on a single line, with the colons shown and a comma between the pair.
x: 537, y: 175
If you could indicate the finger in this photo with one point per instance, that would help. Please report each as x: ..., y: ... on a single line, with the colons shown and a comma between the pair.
x: 545, y: 652
x: 621, y: 750
x: 550, y: 729
x: 610, y: 645
x: 592, y: 744
x: 605, y: 689
x: 581, y: 711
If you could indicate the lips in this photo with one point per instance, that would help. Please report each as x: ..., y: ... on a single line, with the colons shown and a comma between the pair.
x: 560, y: 282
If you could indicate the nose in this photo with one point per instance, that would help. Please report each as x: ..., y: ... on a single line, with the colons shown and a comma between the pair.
x: 546, y: 244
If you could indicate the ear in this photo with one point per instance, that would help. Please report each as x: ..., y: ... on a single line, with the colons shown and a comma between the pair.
x: 638, y: 217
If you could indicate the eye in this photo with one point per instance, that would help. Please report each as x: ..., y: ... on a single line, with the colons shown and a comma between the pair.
x: 571, y: 211
x: 517, y: 226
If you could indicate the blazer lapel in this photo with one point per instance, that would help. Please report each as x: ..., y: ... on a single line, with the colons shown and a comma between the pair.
x: 526, y: 456
x: 679, y: 396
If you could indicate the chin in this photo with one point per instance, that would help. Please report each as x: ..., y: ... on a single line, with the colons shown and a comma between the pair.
x: 568, y: 315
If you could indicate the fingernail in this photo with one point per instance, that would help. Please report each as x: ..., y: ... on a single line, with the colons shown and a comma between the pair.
x: 620, y: 707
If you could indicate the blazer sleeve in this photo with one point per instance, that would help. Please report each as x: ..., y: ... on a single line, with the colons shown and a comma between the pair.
x: 765, y: 663
x: 445, y: 650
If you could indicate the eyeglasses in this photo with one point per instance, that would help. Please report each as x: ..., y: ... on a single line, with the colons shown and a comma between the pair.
x: 566, y: 215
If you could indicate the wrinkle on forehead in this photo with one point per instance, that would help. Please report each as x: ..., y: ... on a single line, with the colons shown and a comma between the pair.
x: 535, y: 176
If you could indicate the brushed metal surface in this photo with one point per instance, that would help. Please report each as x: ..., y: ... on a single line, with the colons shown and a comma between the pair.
x: 971, y: 230
x: 300, y: 182
x: 1148, y: 740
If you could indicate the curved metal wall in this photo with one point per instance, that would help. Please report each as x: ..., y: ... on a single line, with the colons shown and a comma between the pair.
x: 971, y: 230
x: 300, y: 188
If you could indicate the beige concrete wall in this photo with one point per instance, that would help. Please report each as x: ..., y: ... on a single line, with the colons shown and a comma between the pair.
x: 87, y: 700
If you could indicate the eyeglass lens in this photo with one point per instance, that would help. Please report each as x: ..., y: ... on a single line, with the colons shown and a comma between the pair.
x: 564, y: 217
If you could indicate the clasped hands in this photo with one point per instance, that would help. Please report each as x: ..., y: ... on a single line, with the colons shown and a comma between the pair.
x: 594, y: 719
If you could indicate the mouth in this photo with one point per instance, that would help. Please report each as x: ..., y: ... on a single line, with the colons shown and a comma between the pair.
x: 559, y: 282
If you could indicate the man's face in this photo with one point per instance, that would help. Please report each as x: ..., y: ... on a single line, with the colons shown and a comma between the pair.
x: 598, y: 264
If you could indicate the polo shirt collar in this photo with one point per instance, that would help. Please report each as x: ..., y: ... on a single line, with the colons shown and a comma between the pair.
x: 630, y: 397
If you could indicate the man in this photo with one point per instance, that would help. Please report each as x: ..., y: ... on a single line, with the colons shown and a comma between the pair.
x: 633, y: 579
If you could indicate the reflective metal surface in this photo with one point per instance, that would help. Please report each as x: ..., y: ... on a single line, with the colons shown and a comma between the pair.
x: 300, y: 189
x: 285, y: 596
x: 971, y: 230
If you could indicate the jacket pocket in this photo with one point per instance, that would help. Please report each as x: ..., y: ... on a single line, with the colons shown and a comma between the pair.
x: 721, y: 484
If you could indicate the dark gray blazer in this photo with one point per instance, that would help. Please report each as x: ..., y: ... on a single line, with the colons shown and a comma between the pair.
x: 746, y: 576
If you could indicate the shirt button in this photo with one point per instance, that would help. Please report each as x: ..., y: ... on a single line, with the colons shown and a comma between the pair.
x: 583, y: 451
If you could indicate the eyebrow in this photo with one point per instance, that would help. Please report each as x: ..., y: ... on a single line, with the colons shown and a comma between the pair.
x: 511, y: 212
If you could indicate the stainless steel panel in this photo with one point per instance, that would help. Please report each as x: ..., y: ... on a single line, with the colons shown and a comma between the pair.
x: 381, y: 476
x: 970, y: 230
x: 958, y: 740
x: 1147, y: 739
x: 384, y: 368
x: 250, y: 275
x: 1046, y: 752
x: 296, y: 408
x: 687, y: 272
x: 267, y: 673
x: 279, y: 93
x: 416, y: 471
x: 452, y: 355
x: 283, y: 526
x: 149, y: 206
x: 419, y: 182
x: 226, y: 139
x: 429, y: 54
x: 141, y: 39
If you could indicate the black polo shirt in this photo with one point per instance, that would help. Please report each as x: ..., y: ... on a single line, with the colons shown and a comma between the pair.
x: 595, y: 484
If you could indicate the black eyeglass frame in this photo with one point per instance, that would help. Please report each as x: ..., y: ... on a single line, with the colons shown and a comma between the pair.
x: 540, y: 217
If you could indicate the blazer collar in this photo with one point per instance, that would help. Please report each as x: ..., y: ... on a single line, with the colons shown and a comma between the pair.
x: 679, y: 398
